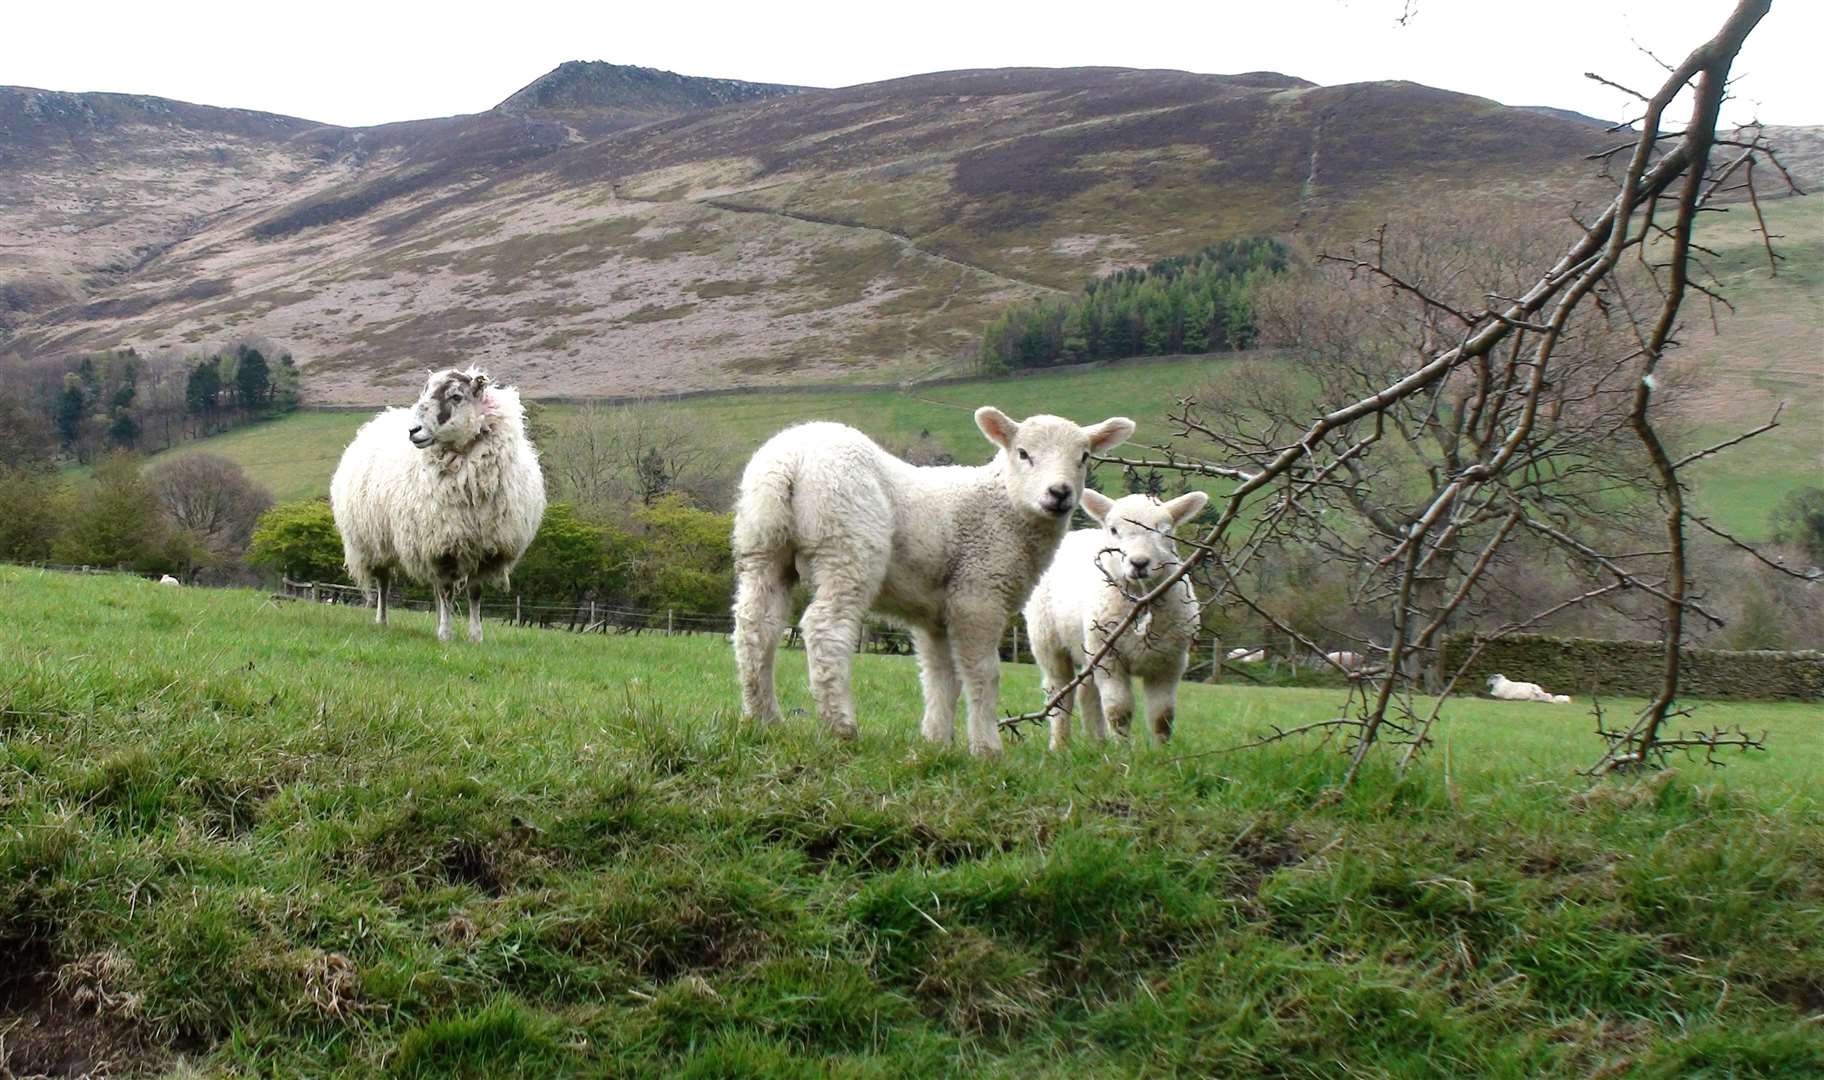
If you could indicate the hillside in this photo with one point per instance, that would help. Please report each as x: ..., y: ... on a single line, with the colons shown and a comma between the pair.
x: 272, y: 852
x: 853, y: 234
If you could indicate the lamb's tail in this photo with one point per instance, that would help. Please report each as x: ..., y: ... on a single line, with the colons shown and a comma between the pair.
x: 763, y: 512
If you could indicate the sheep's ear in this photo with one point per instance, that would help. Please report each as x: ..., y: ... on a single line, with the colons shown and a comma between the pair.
x: 480, y: 383
x: 997, y: 425
x: 1186, y: 506
x: 1096, y: 504
x: 1109, y: 433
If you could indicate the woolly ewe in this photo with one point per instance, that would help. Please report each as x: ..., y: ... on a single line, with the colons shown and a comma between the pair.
x: 1089, y: 590
x: 948, y: 551
x: 447, y: 492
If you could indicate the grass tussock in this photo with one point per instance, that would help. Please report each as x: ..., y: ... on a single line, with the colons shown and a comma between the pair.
x: 279, y: 840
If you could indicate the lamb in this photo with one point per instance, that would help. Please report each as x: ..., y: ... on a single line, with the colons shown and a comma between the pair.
x: 1502, y: 687
x: 948, y: 551
x: 1089, y: 590
x: 170, y: 581
x: 1349, y: 662
x: 1247, y: 655
x: 447, y: 492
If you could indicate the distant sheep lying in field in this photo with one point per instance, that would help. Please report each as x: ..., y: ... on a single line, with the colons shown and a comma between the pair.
x: 169, y: 580
x: 447, y: 492
x: 948, y: 551
x: 1085, y: 595
x: 1505, y: 689
x: 1247, y: 654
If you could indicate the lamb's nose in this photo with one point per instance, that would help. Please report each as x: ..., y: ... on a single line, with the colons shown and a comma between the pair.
x: 1059, y: 492
x: 1140, y: 563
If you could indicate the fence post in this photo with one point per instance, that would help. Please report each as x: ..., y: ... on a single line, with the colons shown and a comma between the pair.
x: 516, y: 621
x: 1215, y: 657
x: 591, y: 621
x: 668, y: 620
x: 313, y: 592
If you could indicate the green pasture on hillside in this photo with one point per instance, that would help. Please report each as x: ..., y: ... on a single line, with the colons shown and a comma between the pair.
x: 250, y: 837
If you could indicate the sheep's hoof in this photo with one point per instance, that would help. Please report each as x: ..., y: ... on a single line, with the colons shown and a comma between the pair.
x: 845, y: 730
x: 986, y: 751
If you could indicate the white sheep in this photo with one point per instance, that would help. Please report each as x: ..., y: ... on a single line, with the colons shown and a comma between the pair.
x: 1348, y: 662
x: 1087, y: 592
x: 1500, y: 686
x: 170, y: 581
x: 447, y: 492
x: 1247, y: 654
x: 948, y: 551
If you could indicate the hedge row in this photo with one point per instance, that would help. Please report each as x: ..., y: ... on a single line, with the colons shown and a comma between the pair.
x: 1586, y: 666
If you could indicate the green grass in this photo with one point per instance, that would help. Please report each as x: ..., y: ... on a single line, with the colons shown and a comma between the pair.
x: 295, y: 456
x: 279, y: 840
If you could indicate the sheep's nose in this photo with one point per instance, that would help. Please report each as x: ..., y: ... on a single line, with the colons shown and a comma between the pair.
x: 1059, y: 492
x: 416, y: 431
x: 1140, y: 563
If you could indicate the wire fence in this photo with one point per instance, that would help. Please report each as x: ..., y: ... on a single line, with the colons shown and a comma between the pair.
x: 595, y: 617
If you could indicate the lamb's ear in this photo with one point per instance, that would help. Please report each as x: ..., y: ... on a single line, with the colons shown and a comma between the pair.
x: 997, y: 425
x: 1096, y: 504
x: 1109, y: 433
x: 1186, y: 506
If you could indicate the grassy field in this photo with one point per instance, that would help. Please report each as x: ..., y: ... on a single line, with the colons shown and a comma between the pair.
x: 295, y: 456
x: 249, y: 838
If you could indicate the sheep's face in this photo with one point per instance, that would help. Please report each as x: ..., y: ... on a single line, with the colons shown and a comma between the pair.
x: 1047, y: 456
x: 1494, y: 681
x: 452, y: 412
x: 1137, y: 532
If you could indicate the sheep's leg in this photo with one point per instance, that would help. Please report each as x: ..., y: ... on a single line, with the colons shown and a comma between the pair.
x: 832, y: 626
x: 1117, y: 698
x: 976, y: 645
x: 475, y: 612
x: 382, y: 579
x: 446, y: 600
x: 763, y: 603
x: 1055, y: 669
x: 937, y: 674
x: 1161, y: 704
x: 1089, y: 702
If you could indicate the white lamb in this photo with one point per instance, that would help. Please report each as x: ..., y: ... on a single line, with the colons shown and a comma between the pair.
x: 950, y: 552
x: 1246, y: 654
x: 1086, y: 594
x: 447, y: 492
x: 1348, y: 662
x: 1500, y: 686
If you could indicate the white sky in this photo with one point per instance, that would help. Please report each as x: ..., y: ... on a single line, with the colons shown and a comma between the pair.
x: 377, y: 61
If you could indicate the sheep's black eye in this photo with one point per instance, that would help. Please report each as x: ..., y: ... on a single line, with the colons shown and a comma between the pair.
x: 1112, y: 531
x: 1085, y: 460
x: 1024, y: 456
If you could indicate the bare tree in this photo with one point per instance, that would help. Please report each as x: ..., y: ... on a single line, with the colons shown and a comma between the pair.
x: 611, y: 455
x: 210, y: 497
x: 1514, y: 413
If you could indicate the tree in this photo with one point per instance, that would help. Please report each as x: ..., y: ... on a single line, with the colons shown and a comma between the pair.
x: 202, y: 391
x: 299, y: 540
x: 683, y: 560
x: 34, y: 499
x: 571, y: 558
x: 604, y: 457
x: 253, y: 380
x: 72, y: 406
x: 114, y: 520
x: 1799, y: 521
x: 211, y: 498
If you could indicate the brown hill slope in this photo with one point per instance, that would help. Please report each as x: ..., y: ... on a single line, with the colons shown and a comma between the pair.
x: 818, y: 236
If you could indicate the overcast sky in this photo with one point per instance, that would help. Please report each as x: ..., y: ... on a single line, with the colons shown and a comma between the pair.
x: 378, y: 61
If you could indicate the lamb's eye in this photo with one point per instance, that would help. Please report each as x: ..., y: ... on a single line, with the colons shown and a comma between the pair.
x: 1112, y: 531
x: 1024, y: 456
x: 1085, y: 460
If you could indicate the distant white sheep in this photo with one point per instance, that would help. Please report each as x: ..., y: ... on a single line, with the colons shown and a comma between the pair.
x: 447, y: 492
x: 1349, y: 662
x: 1247, y: 654
x: 1086, y: 594
x: 950, y: 552
x: 1500, y: 686
x: 169, y: 580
